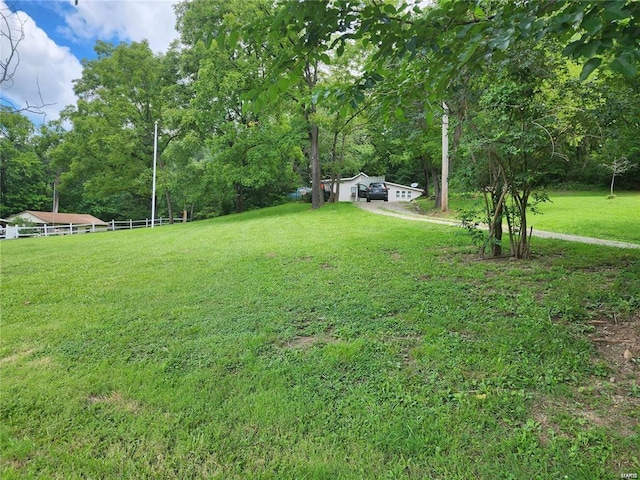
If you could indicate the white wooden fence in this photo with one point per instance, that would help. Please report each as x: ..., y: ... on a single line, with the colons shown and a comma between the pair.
x: 12, y: 231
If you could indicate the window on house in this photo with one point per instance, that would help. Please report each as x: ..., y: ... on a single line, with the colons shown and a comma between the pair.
x: 409, y: 194
x: 404, y: 193
x: 397, y: 193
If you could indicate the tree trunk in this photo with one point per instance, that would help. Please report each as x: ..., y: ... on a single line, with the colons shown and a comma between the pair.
x: 311, y: 79
x: 425, y: 170
x: 317, y: 193
x: 495, y: 197
x: 238, y: 200
x: 167, y: 196
x: 335, y: 188
x: 436, y: 188
x: 613, y: 179
x: 522, y: 245
x: 495, y: 229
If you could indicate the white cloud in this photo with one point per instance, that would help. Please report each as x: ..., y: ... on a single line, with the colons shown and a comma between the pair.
x: 128, y: 20
x: 45, y: 70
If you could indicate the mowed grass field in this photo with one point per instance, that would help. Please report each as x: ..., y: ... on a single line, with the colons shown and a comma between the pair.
x: 291, y: 343
x: 586, y: 213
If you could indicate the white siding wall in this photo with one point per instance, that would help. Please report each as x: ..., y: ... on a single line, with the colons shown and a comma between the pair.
x: 402, y: 193
x: 397, y: 193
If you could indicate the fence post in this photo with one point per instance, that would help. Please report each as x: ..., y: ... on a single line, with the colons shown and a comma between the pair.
x: 45, y: 230
x: 130, y: 224
x: 160, y: 220
x: 71, y: 229
x: 113, y: 225
x: 93, y: 227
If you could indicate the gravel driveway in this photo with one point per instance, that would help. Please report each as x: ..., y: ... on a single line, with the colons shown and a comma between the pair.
x: 403, y: 210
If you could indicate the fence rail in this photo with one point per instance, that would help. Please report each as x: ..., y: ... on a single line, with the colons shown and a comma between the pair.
x: 17, y: 231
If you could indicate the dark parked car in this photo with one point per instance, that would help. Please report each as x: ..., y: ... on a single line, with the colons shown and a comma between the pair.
x: 377, y: 191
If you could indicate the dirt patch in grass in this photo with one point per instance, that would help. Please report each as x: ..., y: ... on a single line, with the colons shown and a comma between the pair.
x: 395, y: 255
x: 16, y: 357
x: 116, y: 399
x: 610, y: 400
x: 565, y: 418
x: 304, y: 342
x: 42, y: 362
x: 618, y: 343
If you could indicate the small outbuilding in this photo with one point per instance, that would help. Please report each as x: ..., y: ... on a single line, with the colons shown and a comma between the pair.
x: 347, y: 188
x: 62, y: 222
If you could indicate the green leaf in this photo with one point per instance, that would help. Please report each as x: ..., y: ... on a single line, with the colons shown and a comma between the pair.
x: 220, y: 38
x: 589, y: 67
x: 411, y: 44
x: 589, y: 49
x: 615, y: 11
x: 233, y: 39
x: 591, y: 23
x: 390, y: 9
x: 464, y: 57
x: 283, y: 84
x: 622, y: 66
x: 570, y: 50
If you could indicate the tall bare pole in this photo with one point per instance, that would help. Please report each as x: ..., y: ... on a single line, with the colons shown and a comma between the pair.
x: 444, y: 191
x: 153, y: 188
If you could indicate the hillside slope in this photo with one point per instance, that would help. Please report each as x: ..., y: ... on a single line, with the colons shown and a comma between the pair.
x: 291, y: 343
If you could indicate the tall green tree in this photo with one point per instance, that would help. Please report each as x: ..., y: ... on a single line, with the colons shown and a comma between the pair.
x: 250, y: 150
x: 617, y: 111
x: 295, y: 71
x: 49, y: 146
x: 511, y: 139
x: 23, y: 182
x: 121, y: 94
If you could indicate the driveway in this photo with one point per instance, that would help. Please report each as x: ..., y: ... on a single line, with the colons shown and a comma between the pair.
x: 403, y: 210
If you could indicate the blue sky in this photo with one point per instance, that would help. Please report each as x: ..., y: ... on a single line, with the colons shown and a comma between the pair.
x: 50, y: 15
x: 58, y: 35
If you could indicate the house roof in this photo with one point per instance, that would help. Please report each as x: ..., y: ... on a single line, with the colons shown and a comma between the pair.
x: 405, y: 187
x: 63, y: 218
x: 347, y: 179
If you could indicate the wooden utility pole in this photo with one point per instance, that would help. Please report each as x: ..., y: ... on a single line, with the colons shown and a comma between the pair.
x: 444, y: 191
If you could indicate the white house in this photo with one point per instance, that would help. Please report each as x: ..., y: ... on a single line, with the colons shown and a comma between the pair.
x: 348, y: 188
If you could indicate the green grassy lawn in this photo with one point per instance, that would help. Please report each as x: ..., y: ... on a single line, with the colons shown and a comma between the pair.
x: 590, y: 214
x: 291, y: 343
